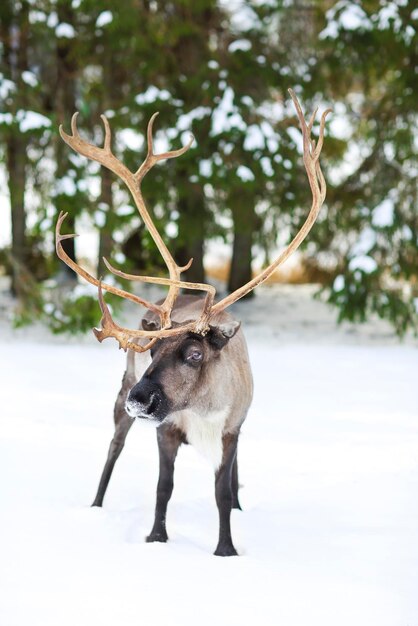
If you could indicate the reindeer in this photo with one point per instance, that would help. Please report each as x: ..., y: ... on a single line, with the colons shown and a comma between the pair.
x: 198, y: 385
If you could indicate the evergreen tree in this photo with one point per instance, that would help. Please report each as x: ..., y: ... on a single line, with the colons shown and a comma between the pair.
x: 23, y: 127
x: 366, y: 64
x: 221, y: 73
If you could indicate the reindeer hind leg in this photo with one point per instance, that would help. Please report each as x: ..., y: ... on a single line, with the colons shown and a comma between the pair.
x: 224, y: 494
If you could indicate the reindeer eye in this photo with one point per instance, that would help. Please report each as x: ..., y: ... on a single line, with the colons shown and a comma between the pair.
x: 194, y: 356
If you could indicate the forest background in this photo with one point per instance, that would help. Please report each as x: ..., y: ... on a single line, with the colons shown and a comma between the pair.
x: 220, y: 70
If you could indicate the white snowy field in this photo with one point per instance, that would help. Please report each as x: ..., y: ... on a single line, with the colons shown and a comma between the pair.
x: 328, y: 459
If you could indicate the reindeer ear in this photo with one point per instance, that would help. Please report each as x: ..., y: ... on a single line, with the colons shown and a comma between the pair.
x: 228, y: 329
x: 220, y: 334
x: 151, y: 325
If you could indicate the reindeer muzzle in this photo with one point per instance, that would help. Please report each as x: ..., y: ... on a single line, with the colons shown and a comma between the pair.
x: 146, y: 400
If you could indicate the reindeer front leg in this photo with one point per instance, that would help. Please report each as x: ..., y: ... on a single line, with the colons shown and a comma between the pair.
x: 223, y: 494
x: 123, y: 424
x: 169, y: 439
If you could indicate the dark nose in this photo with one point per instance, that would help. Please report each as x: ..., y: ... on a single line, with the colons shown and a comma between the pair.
x: 146, y: 399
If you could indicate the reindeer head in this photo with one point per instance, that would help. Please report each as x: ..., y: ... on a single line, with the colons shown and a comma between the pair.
x: 183, y: 370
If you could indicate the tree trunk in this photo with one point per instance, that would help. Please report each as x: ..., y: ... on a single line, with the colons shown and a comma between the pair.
x: 244, y: 218
x: 191, y: 228
x: 241, y: 271
x: 14, y: 27
x: 16, y: 165
x: 191, y: 231
x: 65, y: 105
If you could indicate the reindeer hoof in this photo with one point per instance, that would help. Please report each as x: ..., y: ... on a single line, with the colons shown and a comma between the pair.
x: 227, y: 550
x: 161, y: 537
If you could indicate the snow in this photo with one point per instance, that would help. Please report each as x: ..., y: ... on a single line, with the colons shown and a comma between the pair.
x: 345, y: 14
x: 205, y: 168
x: 247, y: 100
x: 31, y: 120
x: 240, y: 44
x: 254, y: 138
x: 30, y: 78
x: 241, y: 15
x: 129, y: 138
x: 7, y: 87
x: 124, y: 209
x: 339, y: 283
x: 266, y: 166
x: 99, y: 219
x: 339, y: 124
x: 383, y: 214
x: 65, y: 30
x: 328, y: 462
x: 37, y: 16
x: 52, y: 20
x: 388, y: 16
x: 353, y: 18
x: 365, y: 242
x: 104, y: 18
x: 296, y: 136
x: 171, y: 230
x: 185, y: 120
x: 244, y: 173
x: 66, y: 186
x: 85, y: 289
x: 364, y: 263
x: 272, y: 141
x: 407, y: 234
x: 226, y: 116
x: 6, y: 118
x: 28, y: 120
x: 151, y: 94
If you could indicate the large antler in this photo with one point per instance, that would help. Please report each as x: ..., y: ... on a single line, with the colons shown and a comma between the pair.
x: 133, y: 180
x: 126, y: 337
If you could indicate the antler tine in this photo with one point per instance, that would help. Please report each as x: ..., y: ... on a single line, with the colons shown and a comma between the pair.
x: 104, y: 155
x: 150, y: 139
x: 59, y: 237
x: 306, y: 128
x: 152, y: 158
x: 171, y: 154
x: 311, y: 121
x: 317, y: 184
x: 108, y: 134
x: 110, y: 329
x: 186, y: 267
x: 321, y: 182
x: 321, y: 133
x: 161, y: 281
x: 74, y: 128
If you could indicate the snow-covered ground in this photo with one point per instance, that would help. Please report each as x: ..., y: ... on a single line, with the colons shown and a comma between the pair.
x: 328, y: 535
